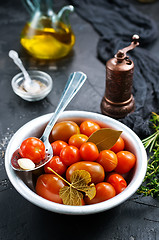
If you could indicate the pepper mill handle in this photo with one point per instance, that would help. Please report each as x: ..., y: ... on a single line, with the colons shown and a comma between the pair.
x: 121, y: 54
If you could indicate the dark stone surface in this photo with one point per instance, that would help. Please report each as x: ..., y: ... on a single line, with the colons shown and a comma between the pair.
x: 138, y: 217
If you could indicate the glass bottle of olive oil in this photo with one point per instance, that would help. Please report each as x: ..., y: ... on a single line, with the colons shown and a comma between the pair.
x: 47, y: 35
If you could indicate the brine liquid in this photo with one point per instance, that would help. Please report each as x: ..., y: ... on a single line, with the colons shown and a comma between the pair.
x: 47, y: 43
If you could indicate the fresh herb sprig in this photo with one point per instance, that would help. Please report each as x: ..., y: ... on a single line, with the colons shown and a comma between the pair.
x: 150, y: 184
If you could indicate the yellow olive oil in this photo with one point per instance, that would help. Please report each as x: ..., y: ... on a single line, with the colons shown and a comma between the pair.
x: 48, y: 42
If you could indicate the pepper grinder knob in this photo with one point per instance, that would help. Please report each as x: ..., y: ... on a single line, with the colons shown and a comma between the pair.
x: 135, y: 38
x: 118, y: 100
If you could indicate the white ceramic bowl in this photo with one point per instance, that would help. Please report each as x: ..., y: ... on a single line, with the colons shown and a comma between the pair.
x: 40, y: 76
x: 36, y: 127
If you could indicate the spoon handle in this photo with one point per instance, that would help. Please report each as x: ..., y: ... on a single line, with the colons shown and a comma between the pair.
x: 74, y: 83
x: 14, y: 55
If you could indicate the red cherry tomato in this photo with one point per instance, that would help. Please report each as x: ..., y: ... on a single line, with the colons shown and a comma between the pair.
x: 32, y: 148
x: 119, y: 145
x: 104, y: 191
x: 77, y: 140
x: 126, y: 161
x: 117, y: 181
x: 89, y: 151
x: 108, y: 160
x: 88, y: 127
x: 95, y: 169
x: 83, y: 202
x: 70, y: 155
x: 57, y: 146
x: 48, y: 187
x: 56, y: 164
x: 64, y: 130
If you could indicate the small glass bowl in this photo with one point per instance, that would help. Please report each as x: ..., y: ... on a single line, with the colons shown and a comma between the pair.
x: 40, y: 76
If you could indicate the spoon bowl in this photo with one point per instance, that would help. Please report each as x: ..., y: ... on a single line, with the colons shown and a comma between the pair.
x: 74, y: 83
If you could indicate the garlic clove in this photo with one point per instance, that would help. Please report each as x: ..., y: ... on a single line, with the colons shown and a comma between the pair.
x: 26, y: 163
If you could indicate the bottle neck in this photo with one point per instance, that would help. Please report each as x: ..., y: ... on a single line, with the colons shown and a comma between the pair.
x: 46, y: 7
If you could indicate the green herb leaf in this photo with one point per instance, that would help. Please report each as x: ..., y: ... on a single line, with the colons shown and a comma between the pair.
x: 150, y: 184
x: 80, y: 180
x: 72, y: 194
x: 104, y: 138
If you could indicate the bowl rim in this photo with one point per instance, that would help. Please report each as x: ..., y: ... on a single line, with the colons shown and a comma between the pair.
x: 37, y: 200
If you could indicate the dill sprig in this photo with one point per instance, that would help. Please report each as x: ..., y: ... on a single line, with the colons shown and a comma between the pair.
x: 150, y: 185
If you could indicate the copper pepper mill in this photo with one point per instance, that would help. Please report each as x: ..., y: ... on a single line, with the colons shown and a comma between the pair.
x: 118, y: 100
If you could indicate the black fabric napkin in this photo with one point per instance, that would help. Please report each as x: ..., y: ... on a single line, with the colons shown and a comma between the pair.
x: 116, y: 21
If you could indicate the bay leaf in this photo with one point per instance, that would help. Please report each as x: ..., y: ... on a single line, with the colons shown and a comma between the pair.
x: 72, y: 194
x: 104, y: 138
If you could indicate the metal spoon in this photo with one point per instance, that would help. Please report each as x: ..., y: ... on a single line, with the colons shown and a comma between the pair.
x: 29, y: 85
x: 74, y: 83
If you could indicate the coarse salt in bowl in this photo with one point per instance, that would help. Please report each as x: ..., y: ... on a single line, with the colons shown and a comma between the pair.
x: 42, y: 78
x: 24, y: 183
